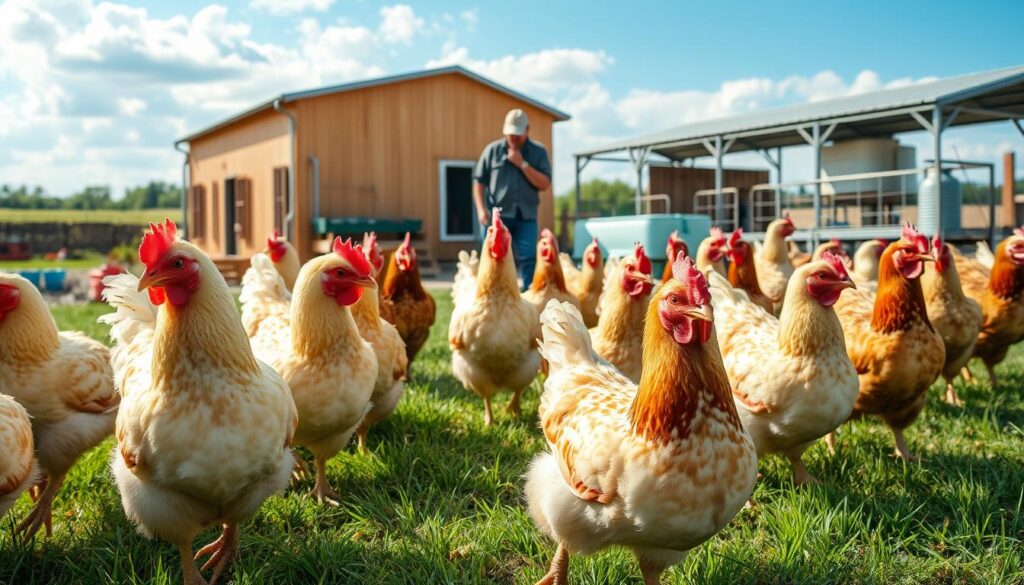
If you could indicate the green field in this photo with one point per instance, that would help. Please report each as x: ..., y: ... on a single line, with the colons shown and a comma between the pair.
x: 135, y: 216
x: 88, y: 260
x: 440, y: 501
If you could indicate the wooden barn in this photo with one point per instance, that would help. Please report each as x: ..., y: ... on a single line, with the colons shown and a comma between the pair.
x: 393, y: 154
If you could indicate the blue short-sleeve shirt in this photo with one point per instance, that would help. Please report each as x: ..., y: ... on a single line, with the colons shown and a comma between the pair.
x: 506, y: 185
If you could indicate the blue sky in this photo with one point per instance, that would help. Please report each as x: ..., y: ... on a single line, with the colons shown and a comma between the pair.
x: 95, y: 93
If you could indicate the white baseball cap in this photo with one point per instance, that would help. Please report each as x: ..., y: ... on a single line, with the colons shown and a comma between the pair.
x: 515, y: 122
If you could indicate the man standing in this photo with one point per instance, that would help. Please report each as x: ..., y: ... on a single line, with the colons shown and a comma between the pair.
x: 513, y: 170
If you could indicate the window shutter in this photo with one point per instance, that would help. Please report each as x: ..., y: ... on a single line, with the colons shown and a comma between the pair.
x: 197, y: 217
x: 215, y: 212
x: 280, y: 197
x: 243, y: 209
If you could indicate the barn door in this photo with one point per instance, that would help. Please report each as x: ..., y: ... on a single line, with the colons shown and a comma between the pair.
x: 243, y: 211
x: 280, y: 198
x: 230, y: 239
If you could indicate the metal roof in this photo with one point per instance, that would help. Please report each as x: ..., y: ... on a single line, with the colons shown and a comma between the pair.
x: 879, y: 113
x: 559, y: 115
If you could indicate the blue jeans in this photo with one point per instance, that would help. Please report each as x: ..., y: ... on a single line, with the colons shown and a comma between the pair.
x: 524, y: 246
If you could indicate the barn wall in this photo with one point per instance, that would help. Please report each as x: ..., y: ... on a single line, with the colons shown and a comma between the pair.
x: 250, y: 149
x: 380, y: 148
x: 680, y: 183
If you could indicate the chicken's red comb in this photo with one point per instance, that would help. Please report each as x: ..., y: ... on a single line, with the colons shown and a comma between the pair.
x: 674, y: 236
x: 407, y: 242
x: 353, y: 255
x: 496, y: 217
x: 787, y: 218
x: 276, y: 246
x: 735, y: 237
x: 937, y: 241
x: 273, y: 237
x: 912, y: 236
x: 594, y: 241
x: 643, y: 263
x: 687, y: 274
x: 156, y: 242
x: 837, y: 242
x: 1019, y: 231
x: 372, y: 250
x: 835, y: 261
x: 716, y: 233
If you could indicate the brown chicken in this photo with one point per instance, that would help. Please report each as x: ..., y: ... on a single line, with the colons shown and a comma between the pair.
x: 548, y: 280
x: 711, y: 252
x: 956, y: 317
x: 675, y: 246
x: 892, y: 344
x: 585, y: 283
x: 619, y: 334
x: 1000, y: 292
x: 743, y: 272
x: 797, y: 257
x: 411, y: 309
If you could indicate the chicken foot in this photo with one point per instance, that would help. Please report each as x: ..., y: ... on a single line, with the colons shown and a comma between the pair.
x: 558, y: 574
x: 830, y: 442
x: 189, y: 571
x: 992, y: 375
x: 902, y: 450
x: 220, y: 551
x: 951, y: 396
x: 42, y: 514
x: 488, y: 418
x: 801, y: 476
x: 513, y: 407
x: 322, y: 489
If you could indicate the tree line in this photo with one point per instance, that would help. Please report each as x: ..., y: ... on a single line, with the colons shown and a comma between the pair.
x: 154, y: 195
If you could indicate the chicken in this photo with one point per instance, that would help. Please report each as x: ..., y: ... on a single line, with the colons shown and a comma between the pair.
x: 835, y: 247
x: 464, y: 283
x: 585, y: 284
x: 264, y: 296
x: 62, y: 379
x: 772, y: 260
x: 892, y: 344
x: 797, y: 257
x: 983, y: 254
x: 791, y: 378
x: 956, y: 317
x: 316, y: 346
x: 493, y: 331
x: 865, y: 262
x: 548, y: 281
x: 412, y: 309
x: 658, y: 467
x: 392, y: 363
x: 743, y: 273
x: 285, y: 258
x: 204, y: 428
x: 1000, y: 292
x: 675, y: 246
x: 373, y: 253
x: 18, y: 468
x: 618, y: 336
x: 711, y: 251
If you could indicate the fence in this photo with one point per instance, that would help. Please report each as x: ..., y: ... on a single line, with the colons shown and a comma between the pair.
x: 52, y: 236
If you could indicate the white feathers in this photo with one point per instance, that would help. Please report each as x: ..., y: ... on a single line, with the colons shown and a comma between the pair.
x: 464, y: 287
x: 566, y: 340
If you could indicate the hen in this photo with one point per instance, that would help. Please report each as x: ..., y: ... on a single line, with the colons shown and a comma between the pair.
x: 772, y: 260
x: 865, y: 262
x: 791, y: 378
x: 284, y: 257
x: 63, y: 379
x: 411, y: 308
x: 204, y: 428
x: 18, y: 469
x: 711, y: 252
x: 585, y: 284
x: 658, y: 467
x: 983, y: 254
x: 835, y: 247
x: 1000, y: 292
x: 675, y: 246
x: 373, y: 253
x: 892, y: 344
x: 619, y: 334
x: 956, y: 317
x: 493, y: 331
x: 315, y: 345
x: 743, y: 272
x: 387, y: 344
x: 548, y: 280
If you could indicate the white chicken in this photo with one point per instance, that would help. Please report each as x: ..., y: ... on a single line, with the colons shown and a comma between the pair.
x: 18, y: 468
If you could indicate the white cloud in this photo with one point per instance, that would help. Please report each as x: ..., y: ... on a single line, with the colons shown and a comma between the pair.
x: 399, y: 24
x: 130, y: 106
x: 281, y: 7
x: 470, y: 17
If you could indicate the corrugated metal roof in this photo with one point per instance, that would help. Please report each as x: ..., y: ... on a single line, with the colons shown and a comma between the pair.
x: 875, y: 113
x: 311, y: 93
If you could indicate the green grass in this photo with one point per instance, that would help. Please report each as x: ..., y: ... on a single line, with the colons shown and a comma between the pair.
x: 439, y: 501
x: 88, y: 260
x: 134, y: 216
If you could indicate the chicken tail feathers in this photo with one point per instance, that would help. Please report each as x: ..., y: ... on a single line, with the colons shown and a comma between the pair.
x: 465, y: 276
x: 134, y: 311
x: 262, y: 283
x: 566, y: 341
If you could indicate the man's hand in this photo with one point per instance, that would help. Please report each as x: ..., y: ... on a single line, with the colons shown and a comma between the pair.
x: 482, y: 216
x: 515, y: 156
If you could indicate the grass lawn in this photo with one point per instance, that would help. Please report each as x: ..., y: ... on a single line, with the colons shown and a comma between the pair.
x: 88, y: 260
x: 439, y: 501
x: 135, y: 216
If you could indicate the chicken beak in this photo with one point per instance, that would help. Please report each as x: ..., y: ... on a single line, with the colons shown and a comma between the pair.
x: 365, y: 282
x: 846, y: 284
x: 149, y: 280
x: 644, y: 278
x: 926, y: 257
x: 697, y: 313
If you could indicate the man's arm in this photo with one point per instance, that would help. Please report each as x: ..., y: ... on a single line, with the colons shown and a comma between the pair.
x: 481, y: 176
x: 540, y: 178
x: 478, y: 200
x: 536, y: 178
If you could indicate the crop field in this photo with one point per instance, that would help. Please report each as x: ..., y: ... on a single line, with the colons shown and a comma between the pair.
x: 135, y: 216
x: 439, y: 500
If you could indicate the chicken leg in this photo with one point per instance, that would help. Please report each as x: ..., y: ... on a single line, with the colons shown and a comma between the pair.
x: 321, y: 489
x: 189, y: 571
x: 42, y: 514
x: 992, y: 375
x: 513, y: 407
x: 902, y: 450
x: 801, y: 476
x: 951, y: 396
x: 830, y: 442
x: 488, y: 418
x: 558, y: 574
x: 220, y: 551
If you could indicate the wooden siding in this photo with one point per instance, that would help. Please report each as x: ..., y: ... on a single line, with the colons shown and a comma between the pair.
x: 380, y: 149
x: 249, y: 149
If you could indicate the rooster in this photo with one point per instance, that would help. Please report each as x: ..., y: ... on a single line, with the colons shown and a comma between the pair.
x: 891, y: 342
x: 585, y: 284
x: 387, y: 344
x: 711, y: 252
x: 284, y: 257
x: 743, y: 272
x: 493, y: 331
x: 956, y: 317
x: 618, y: 336
x: 548, y: 280
x: 676, y: 245
x: 1000, y: 292
x: 204, y: 428
x: 657, y: 467
x: 63, y: 379
x: 18, y: 468
x: 412, y: 309
x: 315, y: 345
x: 865, y: 262
x: 791, y: 378
x: 772, y: 260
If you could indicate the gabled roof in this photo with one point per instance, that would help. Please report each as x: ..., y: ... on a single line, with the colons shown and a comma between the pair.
x: 559, y: 115
x: 878, y: 113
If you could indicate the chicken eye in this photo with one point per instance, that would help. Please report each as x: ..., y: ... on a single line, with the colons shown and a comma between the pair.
x: 179, y: 263
x: 341, y: 273
x: 674, y: 299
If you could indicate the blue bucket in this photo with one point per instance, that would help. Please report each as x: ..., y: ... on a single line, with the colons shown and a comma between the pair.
x: 31, y: 275
x: 54, y: 278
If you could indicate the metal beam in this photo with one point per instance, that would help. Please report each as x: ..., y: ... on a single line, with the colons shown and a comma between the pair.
x: 719, y: 200
x: 810, y: 139
x: 922, y: 121
x: 936, y: 131
x: 639, y: 158
x: 828, y: 132
x: 579, y: 195
x: 816, y: 143
x: 993, y: 112
x: 1019, y: 127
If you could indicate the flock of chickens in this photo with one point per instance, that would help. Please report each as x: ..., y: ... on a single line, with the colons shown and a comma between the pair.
x: 660, y: 394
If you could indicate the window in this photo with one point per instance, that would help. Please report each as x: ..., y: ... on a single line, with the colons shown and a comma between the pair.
x: 280, y: 198
x: 458, y: 215
x: 197, y: 212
